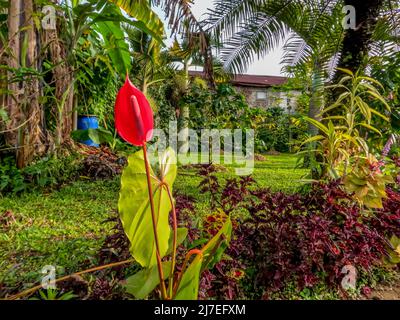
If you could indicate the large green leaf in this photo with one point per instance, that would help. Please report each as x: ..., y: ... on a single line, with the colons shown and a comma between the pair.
x: 135, y: 211
x: 211, y: 253
x: 318, y: 125
x: 181, y: 236
x: 109, y: 13
x: 394, y: 250
x: 114, y: 39
x: 141, y: 10
x: 98, y: 135
x: 189, y: 285
x: 145, y: 281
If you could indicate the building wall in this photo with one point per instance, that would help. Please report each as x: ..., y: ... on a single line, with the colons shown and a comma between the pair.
x: 272, y: 97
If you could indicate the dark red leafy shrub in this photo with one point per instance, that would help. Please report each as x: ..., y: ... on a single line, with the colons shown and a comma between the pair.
x: 207, y: 283
x: 115, y: 247
x: 311, y: 237
x: 224, y: 281
x: 303, y: 238
x: 209, y: 183
x: 101, y: 290
x: 213, y: 222
x: 231, y: 271
x: 235, y: 192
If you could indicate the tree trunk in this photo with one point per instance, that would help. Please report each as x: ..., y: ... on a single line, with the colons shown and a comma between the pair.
x: 3, y: 85
x: 356, y: 42
x: 184, y: 114
x: 315, y: 107
x: 34, y: 140
x: 63, y: 79
x: 208, y: 62
x: 317, y: 98
x: 13, y: 107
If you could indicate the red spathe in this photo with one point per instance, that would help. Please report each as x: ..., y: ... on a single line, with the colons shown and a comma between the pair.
x: 133, y: 115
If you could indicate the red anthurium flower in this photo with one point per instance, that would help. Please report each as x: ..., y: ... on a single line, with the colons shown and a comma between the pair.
x: 133, y: 115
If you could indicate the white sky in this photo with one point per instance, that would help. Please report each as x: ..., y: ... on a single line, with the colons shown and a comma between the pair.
x: 269, y: 65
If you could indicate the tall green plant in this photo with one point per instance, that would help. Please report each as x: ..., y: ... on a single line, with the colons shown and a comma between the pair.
x: 148, y: 248
x: 145, y: 203
x: 346, y: 124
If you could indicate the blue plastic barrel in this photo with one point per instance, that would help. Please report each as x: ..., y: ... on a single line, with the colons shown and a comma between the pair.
x: 88, y: 122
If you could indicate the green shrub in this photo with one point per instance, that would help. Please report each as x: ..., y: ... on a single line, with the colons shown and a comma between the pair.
x: 48, y: 172
x: 279, y: 131
x: 11, y: 178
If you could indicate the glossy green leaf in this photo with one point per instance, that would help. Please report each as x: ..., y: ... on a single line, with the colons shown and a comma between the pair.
x: 317, y: 124
x: 394, y: 250
x: 211, y: 253
x: 135, y: 211
x: 116, y: 46
x: 312, y: 139
x: 141, y: 10
x: 368, y: 126
x: 142, y: 283
x: 214, y: 249
x: 189, y: 285
x: 182, y: 234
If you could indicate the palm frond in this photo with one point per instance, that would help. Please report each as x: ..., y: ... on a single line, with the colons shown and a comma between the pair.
x: 296, y: 51
x: 227, y: 15
x: 313, y: 24
x: 258, y: 36
x: 182, y: 21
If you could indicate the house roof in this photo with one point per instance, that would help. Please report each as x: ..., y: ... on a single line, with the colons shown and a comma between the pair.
x: 258, y: 81
x: 250, y: 80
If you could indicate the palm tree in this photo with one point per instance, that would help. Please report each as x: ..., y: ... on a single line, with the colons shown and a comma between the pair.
x: 251, y: 28
x: 312, y: 28
x: 356, y: 43
x: 314, y: 45
x: 151, y: 63
x: 268, y: 22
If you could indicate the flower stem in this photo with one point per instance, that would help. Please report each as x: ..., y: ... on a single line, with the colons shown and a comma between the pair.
x: 31, y: 290
x: 154, y: 220
x: 174, y: 241
x: 184, y: 265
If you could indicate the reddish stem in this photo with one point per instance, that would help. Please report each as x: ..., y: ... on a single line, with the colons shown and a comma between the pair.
x: 40, y: 286
x: 174, y: 242
x: 188, y: 255
x: 154, y: 220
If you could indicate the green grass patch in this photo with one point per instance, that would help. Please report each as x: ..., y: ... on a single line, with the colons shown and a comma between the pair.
x: 66, y: 228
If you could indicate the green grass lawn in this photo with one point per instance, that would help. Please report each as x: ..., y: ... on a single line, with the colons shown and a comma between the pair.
x: 66, y: 228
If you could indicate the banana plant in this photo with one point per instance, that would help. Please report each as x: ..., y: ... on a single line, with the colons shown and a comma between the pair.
x: 106, y: 19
